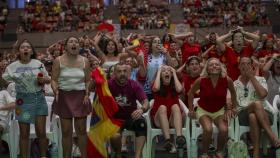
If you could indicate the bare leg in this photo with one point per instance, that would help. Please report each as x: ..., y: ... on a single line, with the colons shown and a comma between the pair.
x: 255, y: 134
x: 24, y: 139
x: 176, y: 119
x: 262, y: 118
x: 116, y: 144
x: 67, y: 132
x: 81, y: 131
x: 40, y: 127
x: 140, y: 142
x: 223, y: 134
x: 207, y: 127
x: 161, y: 121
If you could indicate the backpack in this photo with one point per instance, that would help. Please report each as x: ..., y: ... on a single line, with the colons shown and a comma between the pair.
x: 237, y: 149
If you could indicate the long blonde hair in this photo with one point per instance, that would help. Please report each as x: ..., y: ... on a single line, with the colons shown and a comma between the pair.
x: 204, y: 72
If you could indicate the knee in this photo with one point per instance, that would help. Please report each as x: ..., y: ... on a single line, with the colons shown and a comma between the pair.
x: 41, y: 134
x: 81, y: 129
x: 258, y: 105
x: 208, y: 129
x: 24, y: 135
x: 175, y: 108
x: 67, y: 132
x: 162, y: 110
x: 223, y: 129
x: 252, y: 118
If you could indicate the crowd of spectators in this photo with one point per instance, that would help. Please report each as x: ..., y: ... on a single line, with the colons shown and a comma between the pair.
x: 43, y: 16
x: 143, y: 15
x: 148, y: 53
x: 3, y: 18
x: 207, y: 13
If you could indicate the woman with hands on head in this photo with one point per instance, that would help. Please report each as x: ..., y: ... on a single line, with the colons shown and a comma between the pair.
x: 166, y: 111
x: 70, y: 83
x: 212, y: 106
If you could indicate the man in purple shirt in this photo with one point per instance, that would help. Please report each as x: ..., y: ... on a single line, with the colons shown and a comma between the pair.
x: 126, y: 92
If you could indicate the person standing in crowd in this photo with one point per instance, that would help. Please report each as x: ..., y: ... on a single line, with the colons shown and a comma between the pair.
x: 109, y: 53
x: 251, y: 91
x: 240, y: 47
x: 212, y: 106
x: 166, y: 110
x: 121, y: 87
x: 70, y: 83
x: 189, y: 46
x: 158, y: 55
x: 29, y: 76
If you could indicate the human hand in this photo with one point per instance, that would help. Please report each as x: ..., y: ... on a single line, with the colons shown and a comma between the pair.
x: 137, y: 114
x: 192, y: 114
x: 86, y: 100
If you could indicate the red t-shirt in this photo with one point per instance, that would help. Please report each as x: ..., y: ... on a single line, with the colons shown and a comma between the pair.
x: 263, y: 53
x: 168, y: 100
x: 212, y: 99
x: 232, y: 59
x: 188, y: 82
x: 190, y: 50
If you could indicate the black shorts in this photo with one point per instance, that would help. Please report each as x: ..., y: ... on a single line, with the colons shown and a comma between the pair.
x: 138, y: 126
x: 243, y: 117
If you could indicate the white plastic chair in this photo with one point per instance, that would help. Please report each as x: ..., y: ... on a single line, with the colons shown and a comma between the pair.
x: 9, y: 137
x: 197, y: 130
x: 239, y: 129
x: 153, y: 132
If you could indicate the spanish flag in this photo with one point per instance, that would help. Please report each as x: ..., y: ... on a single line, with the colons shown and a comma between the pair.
x: 102, y: 124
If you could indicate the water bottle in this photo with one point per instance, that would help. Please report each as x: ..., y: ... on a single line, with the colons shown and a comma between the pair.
x: 54, y: 151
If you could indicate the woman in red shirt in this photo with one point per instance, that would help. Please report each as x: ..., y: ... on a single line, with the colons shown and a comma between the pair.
x: 166, y: 111
x: 213, y: 85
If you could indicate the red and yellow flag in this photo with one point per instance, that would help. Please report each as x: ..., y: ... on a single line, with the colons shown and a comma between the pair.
x: 102, y: 124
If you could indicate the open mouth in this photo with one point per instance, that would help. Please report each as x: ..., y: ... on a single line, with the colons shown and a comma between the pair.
x: 25, y: 53
x: 74, y: 48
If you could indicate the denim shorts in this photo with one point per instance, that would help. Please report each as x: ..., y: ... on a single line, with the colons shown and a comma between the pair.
x: 30, y: 105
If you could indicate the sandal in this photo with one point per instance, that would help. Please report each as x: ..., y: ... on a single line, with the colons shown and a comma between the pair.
x: 180, y: 141
x: 219, y: 154
x: 205, y: 155
x: 168, y: 145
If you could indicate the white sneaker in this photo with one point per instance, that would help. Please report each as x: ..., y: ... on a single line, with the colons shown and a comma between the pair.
x: 173, y: 149
x: 124, y: 148
x: 76, y: 151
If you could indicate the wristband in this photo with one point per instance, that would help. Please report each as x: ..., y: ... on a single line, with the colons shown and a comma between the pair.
x: 144, y: 109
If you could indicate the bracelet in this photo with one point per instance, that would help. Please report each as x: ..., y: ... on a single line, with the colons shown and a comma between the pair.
x: 143, y: 109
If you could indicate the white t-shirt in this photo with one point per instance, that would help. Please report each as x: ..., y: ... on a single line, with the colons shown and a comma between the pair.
x: 5, y: 98
x: 25, y: 75
x: 247, y: 94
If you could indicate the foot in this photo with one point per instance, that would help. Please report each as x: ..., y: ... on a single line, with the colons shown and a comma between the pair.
x: 205, y: 155
x: 180, y: 141
x: 219, y: 154
x: 168, y: 145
